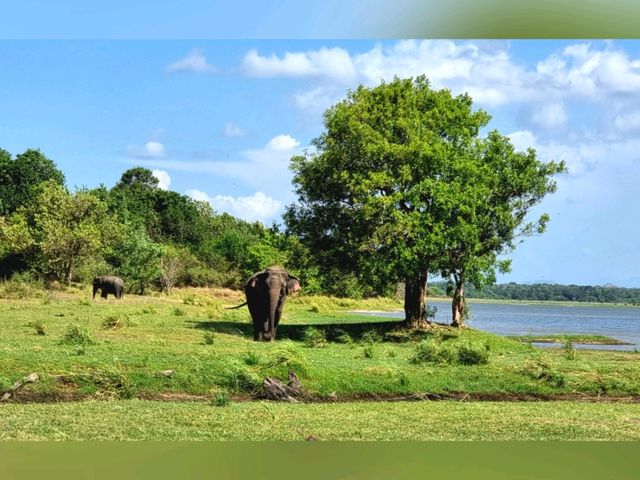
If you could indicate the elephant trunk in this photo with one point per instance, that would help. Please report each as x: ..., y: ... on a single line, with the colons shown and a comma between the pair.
x: 274, y: 297
x: 95, y: 289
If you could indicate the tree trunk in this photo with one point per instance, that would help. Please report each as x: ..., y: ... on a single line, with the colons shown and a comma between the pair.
x: 457, y: 304
x: 415, y: 290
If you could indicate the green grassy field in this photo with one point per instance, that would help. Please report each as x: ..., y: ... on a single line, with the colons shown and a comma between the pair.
x: 447, y: 420
x: 188, y: 346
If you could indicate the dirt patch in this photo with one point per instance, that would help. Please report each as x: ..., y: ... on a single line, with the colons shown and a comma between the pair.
x: 26, y: 396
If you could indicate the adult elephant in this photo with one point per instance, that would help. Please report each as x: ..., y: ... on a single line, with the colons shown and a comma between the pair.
x: 108, y: 284
x: 266, y: 293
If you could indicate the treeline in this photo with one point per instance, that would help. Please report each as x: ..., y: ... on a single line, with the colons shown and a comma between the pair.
x: 547, y: 292
x: 152, y: 238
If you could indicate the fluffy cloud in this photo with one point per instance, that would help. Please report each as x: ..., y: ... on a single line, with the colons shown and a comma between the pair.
x: 549, y: 116
x: 282, y: 142
x: 255, y: 207
x: 164, y: 180
x: 231, y: 130
x: 195, y: 62
x: 333, y: 63
x: 148, y: 150
x: 485, y: 69
x: 628, y: 122
x: 265, y: 169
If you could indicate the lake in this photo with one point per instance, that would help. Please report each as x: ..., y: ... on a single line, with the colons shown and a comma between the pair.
x: 622, y: 323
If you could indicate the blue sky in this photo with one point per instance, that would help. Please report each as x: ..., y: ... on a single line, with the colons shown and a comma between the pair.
x: 220, y: 119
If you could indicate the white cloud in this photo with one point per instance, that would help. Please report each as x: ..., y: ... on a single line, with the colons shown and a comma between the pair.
x: 195, y: 62
x: 148, y: 150
x: 549, y: 116
x: 255, y: 207
x: 164, y: 180
x: 333, y: 63
x: 628, y: 122
x: 265, y: 169
x: 231, y: 130
x: 486, y: 70
x: 282, y: 142
x: 522, y: 140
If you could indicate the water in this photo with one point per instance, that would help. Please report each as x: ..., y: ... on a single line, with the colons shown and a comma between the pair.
x: 622, y: 323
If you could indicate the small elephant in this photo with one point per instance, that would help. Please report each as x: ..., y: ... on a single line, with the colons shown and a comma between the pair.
x: 266, y: 293
x: 108, y: 284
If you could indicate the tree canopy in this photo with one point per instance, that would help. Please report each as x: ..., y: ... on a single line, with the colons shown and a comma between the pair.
x: 400, y: 185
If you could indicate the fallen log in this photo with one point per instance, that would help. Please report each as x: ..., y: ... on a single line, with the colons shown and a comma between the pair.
x: 275, y: 389
x: 31, y: 378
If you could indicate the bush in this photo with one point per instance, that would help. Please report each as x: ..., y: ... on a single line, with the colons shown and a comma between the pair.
x: 237, y: 377
x: 570, y: 352
x: 287, y: 356
x: 431, y: 351
x: 369, y: 351
x: 221, y: 399
x: 208, y: 338
x: 341, y: 336
x: 179, y: 312
x: 112, y: 381
x: 38, y: 326
x: 473, y: 354
x: 114, y: 321
x: 314, y: 337
x: 371, y: 336
x: 251, y: 358
x: 77, y: 335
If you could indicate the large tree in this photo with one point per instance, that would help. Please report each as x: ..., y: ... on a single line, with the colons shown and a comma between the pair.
x: 490, y: 193
x: 19, y: 178
x: 375, y: 194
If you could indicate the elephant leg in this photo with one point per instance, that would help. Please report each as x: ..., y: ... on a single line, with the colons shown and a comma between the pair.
x: 104, y: 293
x: 277, y: 319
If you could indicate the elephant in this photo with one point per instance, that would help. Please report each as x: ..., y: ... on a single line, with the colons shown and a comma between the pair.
x: 266, y: 293
x: 108, y: 284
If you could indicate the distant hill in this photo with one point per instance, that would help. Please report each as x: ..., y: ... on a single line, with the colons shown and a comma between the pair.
x: 548, y: 291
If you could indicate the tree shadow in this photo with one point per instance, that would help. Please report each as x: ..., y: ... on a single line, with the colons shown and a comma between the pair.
x: 390, y: 331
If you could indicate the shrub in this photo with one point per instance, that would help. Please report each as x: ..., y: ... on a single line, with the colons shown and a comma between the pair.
x: 469, y: 354
x: 179, y: 312
x: 77, y: 335
x: 239, y: 378
x: 38, y: 326
x: 369, y: 351
x: 341, y: 336
x: 221, y: 399
x: 251, y: 358
x: 570, y: 352
x: 314, y: 337
x: 287, y: 356
x: 541, y: 369
x: 208, y: 338
x: 114, y: 321
x: 112, y: 381
x: 371, y: 336
x: 432, y: 351
x: 149, y: 309
x: 315, y: 308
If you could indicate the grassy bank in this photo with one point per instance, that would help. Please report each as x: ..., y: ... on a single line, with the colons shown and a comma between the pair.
x: 583, y: 339
x: 188, y: 344
x: 147, y: 420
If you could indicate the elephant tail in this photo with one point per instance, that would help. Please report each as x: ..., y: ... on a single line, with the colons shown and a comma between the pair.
x: 233, y: 308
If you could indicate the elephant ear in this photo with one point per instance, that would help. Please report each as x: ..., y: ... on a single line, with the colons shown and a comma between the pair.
x: 257, y: 276
x: 292, y: 283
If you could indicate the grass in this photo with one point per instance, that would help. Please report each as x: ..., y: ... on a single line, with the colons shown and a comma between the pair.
x: 446, y: 420
x: 356, y: 351
x: 585, y: 339
x: 114, y: 349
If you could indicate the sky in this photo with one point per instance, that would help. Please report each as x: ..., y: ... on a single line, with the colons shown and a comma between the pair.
x: 219, y: 120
